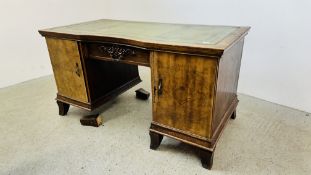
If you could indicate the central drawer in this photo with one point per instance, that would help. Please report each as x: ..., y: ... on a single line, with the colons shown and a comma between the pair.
x: 118, y: 52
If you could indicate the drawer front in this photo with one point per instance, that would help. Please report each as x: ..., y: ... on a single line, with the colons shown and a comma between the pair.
x: 118, y: 52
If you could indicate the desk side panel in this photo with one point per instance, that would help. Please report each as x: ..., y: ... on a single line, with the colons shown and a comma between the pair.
x: 67, y: 68
x: 227, y: 83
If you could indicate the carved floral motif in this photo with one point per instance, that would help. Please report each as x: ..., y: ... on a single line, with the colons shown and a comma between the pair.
x: 117, y: 52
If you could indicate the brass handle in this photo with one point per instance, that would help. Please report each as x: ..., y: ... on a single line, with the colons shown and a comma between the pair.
x: 77, y: 70
x: 160, y: 87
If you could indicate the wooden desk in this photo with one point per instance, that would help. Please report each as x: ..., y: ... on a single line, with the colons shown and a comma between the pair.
x: 194, y: 72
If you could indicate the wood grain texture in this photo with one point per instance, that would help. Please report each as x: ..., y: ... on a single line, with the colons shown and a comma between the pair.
x: 67, y: 68
x: 227, y: 82
x: 186, y: 38
x: 188, y: 87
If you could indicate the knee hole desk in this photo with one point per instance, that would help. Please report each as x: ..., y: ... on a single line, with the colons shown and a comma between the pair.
x: 194, y: 73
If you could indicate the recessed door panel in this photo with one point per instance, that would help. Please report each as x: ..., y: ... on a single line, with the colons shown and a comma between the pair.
x: 183, y: 92
x: 67, y: 68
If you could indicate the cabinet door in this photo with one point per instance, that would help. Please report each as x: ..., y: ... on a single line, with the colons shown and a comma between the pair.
x: 183, y: 92
x: 67, y: 68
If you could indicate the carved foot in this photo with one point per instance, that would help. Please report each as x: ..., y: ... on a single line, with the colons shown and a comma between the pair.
x: 206, y: 158
x: 63, y: 108
x: 233, y: 115
x: 155, y: 140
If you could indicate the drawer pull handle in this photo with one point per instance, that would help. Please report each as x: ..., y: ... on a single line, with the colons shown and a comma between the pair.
x: 116, y: 52
x: 160, y: 87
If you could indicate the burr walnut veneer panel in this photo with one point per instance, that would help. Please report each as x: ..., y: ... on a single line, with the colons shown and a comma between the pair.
x: 184, y: 88
x: 67, y: 68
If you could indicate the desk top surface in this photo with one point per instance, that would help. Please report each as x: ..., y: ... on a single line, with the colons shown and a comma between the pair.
x: 152, y: 35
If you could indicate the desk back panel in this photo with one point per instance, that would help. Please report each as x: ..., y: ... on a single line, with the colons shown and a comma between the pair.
x: 104, y: 77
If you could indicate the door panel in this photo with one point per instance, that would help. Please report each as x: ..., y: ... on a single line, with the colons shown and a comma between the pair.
x: 183, y: 92
x: 67, y: 68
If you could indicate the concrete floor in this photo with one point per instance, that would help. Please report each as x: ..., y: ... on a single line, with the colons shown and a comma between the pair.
x: 264, y: 139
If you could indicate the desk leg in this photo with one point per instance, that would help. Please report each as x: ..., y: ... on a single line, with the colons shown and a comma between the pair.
x: 233, y: 115
x: 155, y: 140
x: 62, y: 108
x: 206, y: 158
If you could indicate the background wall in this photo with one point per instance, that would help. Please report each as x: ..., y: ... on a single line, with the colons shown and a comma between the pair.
x: 276, y: 64
x: 23, y: 51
